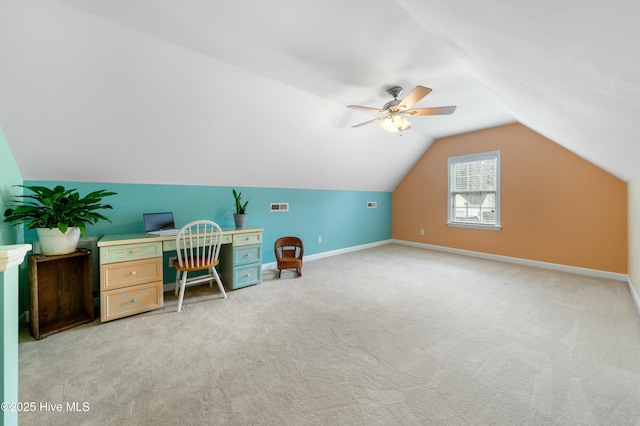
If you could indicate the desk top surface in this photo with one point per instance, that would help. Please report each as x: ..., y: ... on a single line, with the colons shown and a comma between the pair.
x: 141, y: 237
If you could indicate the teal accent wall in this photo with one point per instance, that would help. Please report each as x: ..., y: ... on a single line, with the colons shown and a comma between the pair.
x: 9, y: 176
x: 341, y: 218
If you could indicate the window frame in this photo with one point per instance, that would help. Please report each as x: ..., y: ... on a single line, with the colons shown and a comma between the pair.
x: 468, y: 159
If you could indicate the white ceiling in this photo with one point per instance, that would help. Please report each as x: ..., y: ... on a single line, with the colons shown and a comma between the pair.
x: 253, y: 93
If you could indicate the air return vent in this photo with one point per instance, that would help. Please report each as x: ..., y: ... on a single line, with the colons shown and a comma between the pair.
x: 279, y: 207
x: 372, y: 204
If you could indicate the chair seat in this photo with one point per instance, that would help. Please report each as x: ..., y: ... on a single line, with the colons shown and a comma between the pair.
x: 289, y: 263
x: 201, y: 265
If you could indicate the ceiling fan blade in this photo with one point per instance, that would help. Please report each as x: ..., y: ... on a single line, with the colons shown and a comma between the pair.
x: 414, y: 97
x: 431, y: 111
x: 370, y: 121
x: 366, y: 108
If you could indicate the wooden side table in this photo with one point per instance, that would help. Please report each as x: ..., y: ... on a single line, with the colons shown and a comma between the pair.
x: 60, y: 289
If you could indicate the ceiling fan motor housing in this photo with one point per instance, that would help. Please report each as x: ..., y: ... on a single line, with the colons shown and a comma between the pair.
x: 395, y: 92
x: 391, y: 104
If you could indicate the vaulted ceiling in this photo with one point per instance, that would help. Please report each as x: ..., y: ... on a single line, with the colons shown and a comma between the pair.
x: 253, y: 93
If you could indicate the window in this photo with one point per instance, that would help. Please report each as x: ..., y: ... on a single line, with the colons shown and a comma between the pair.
x: 474, y: 190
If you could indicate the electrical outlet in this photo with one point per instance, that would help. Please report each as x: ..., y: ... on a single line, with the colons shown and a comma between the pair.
x: 421, y: 231
x: 171, y: 259
x: 319, y: 240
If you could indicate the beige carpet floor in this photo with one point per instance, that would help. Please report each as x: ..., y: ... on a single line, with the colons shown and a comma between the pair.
x: 392, y: 335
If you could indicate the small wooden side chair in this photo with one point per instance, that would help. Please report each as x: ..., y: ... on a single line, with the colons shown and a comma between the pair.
x: 289, y: 252
x: 198, y: 248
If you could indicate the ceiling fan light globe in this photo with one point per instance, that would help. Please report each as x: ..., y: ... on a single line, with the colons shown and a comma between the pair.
x: 406, y: 126
x: 401, y: 123
x: 388, y: 125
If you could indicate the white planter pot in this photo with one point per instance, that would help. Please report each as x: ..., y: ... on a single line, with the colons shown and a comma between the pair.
x: 52, y: 241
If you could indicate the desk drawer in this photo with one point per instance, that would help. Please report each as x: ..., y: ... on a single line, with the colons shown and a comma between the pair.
x: 170, y: 245
x: 247, y: 239
x: 112, y: 254
x: 129, y: 301
x: 126, y: 274
x: 246, y: 254
x: 247, y: 275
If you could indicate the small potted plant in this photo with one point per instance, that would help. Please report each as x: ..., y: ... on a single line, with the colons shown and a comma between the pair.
x: 240, y: 216
x: 59, y: 215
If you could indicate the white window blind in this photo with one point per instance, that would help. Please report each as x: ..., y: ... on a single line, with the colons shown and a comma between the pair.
x: 474, y: 189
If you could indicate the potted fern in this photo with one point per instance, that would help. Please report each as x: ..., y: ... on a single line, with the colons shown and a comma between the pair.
x: 240, y: 216
x: 58, y: 215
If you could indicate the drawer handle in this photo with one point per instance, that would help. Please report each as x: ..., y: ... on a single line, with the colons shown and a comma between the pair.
x: 134, y: 300
x: 248, y: 275
x: 133, y: 272
x: 248, y: 254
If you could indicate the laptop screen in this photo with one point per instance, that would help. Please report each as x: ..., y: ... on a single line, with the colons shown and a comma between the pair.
x: 158, y: 221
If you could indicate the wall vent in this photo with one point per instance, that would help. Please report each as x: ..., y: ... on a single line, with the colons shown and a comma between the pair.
x: 372, y: 204
x: 279, y: 207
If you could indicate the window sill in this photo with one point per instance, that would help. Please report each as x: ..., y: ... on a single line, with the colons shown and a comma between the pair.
x: 475, y: 225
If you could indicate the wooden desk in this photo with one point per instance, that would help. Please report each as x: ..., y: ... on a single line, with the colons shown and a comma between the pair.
x: 131, y: 278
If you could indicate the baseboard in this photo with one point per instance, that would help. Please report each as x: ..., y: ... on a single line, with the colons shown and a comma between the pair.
x: 271, y: 268
x: 346, y: 250
x: 634, y: 295
x: 519, y: 261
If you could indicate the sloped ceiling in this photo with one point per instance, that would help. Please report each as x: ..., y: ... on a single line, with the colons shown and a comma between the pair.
x: 252, y: 93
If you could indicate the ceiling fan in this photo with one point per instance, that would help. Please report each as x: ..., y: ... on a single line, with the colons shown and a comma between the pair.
x: 395, y: 111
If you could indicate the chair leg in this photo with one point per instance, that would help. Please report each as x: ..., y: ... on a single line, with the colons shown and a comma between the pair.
x: 183, y: 284
x: 217, y: 278
x: 299, y: 270
x: 279, y: 272
x: 177, y: 281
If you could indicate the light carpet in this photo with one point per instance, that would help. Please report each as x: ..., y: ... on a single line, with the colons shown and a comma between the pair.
x: 391, y: 335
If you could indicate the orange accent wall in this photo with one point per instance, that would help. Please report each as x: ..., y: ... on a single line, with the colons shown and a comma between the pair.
x: 555, y: 206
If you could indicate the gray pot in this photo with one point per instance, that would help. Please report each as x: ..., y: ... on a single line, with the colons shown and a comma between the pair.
x: 240, y: 220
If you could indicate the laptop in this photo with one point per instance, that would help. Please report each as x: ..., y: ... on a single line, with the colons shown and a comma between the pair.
x: 159, y: 224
